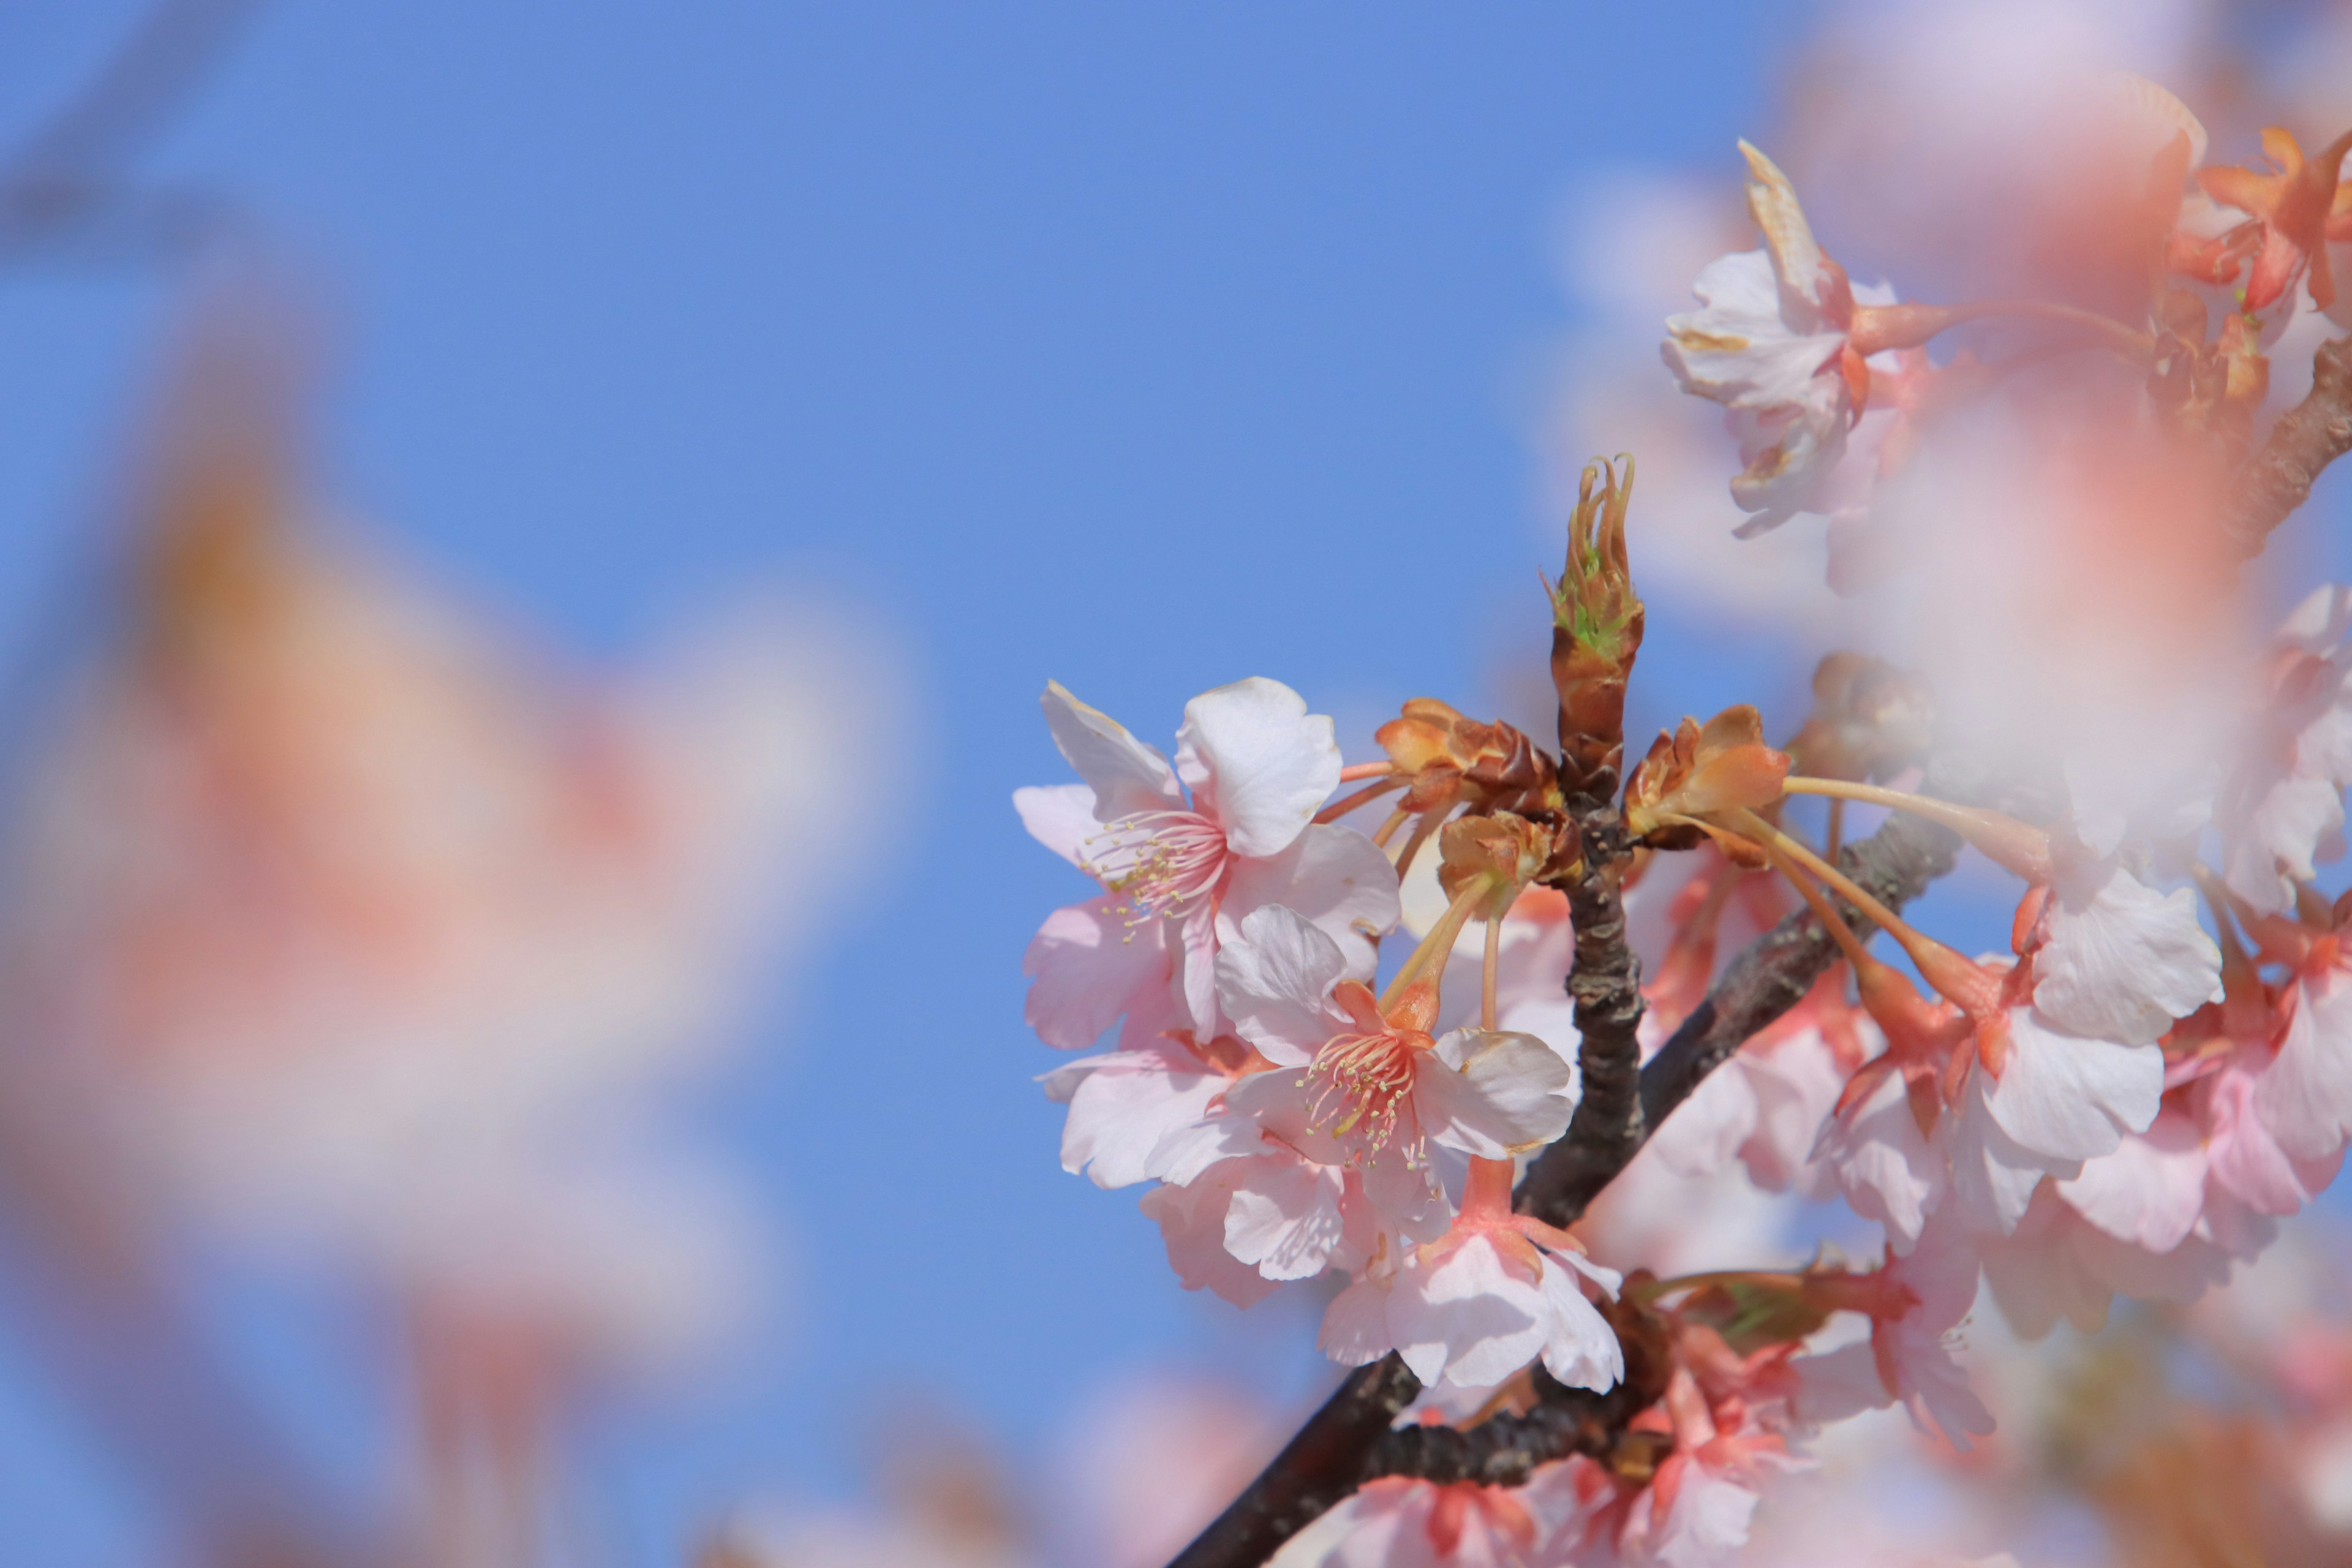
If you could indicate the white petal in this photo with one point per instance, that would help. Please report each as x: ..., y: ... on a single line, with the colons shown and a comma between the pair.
x: 1797, y: 258
x: 1737, y: 349
x: 1580, y: 1349
x: 1471, y: 1317
x: 1335, y: 876
x: 1885, y: 1166
x: 1191, y: 1222
x: 1491, y: 1094
x: 1128, y: 1105
x: 2305, y: 1098
x: 1285, y: 1217
x: 1356, y: 1326
x: 2150, y: 1191
x: 1274, y: 983
x: 1090, y: 967
x: 1994, y: 1175
x: 1701, y: 1136
x: 2123, y: 961
x: 1260, y: 765
x: 1060, y: 817
x: 2069, y: 1095
x: 1126, y: 775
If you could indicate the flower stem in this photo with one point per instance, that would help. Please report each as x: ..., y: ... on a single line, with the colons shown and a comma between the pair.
x: 1487, y: 971
x: 1938, y: 963
x: 1438, y: 945
x: 2004, y: 839
x: 1348, y: 803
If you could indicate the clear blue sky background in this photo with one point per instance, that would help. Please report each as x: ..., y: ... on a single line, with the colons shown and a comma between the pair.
x: 1142, y: 345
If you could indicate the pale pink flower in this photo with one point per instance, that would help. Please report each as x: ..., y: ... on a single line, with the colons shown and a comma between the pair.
x: 1289, y: 1217
x: 2056, y: 1264
x: 1399, y: 1523
x: 2052, y: 1099
x: 1697, y: 1509
x: 1497, y: 1291
x: 2151, y: 1190
x: 2119, y: 960
x: 1916, y: 1305
x: 1141, y: 1114
x: 1773, y: 340
x: 1180, y: 875
x: 2283, y: 809
x: 1367, y: 1087
x: 2243, y: 1156
x: 2304, y: 1098
x: 1889, y: 1168
x: 1768, y: 1106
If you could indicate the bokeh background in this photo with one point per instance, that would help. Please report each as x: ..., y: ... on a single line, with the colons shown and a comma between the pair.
x: 1142, y: 347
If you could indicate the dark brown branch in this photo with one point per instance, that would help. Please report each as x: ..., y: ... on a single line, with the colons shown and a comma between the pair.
x: 2307, y: 437
x: 1896, y: 864
x: 1349, y: 1440
x: 66, y: 181
x: 1318, y: 1467
x: 1609, y: 1125
x: 1504, y: 1451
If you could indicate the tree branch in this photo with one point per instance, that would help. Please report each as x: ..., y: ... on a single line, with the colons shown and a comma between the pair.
x: 1314, y: 1471
x: 2307, y: 437
x: 1896, y: 864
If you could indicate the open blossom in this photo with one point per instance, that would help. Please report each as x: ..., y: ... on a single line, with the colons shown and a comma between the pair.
x: 1250, y: 1222
x: 1180, y: 875
x: 1365, y: 1085
x: 1768, y: 1106
x: 2119, y: 960
x: 1916, y: 1304
x: 1782, y: 340
x: 2293, y: 206
x: 1143, y: 1113
x: 2283, y: 811
x: 1399, y: 1522
x: 2039, y: 1100
x: 1497, y: 1292
x: 1696, y: 1509
x: 2305, y: 1097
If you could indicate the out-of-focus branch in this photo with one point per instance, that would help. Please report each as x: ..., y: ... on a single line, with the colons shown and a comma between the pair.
x: 2310, y: 436
x: 65, y: 179
x: 1314, y: 1471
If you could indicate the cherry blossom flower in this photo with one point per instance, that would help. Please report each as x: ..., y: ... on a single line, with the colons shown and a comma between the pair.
x: 2294, y: 205
x: 1915, y: 1305
x: 2118, y: 961
x: 1250, y: 1222
x: 1697, y: 1508
x: 2305, y: 1097
x: 1140, y: 1114
x: 1783, y: 341
x: 1498, y: 1290
x: 1888, y: 1167
x: 1768, y: 1107
x: 1365, y: 1085
x: 2243, y: 1155
x: 2054, y: 1099
x: 1400, y: 1522
x: 2283, y: 809
x: 1180, y: 877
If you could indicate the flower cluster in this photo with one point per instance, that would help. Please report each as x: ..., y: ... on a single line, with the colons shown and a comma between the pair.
x: 1326, y: 1074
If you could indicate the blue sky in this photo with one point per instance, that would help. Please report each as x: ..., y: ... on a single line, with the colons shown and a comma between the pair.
x: 1141, y: 346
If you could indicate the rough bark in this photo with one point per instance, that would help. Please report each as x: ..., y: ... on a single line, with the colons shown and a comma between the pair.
x: 2313, y: 433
